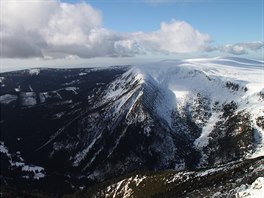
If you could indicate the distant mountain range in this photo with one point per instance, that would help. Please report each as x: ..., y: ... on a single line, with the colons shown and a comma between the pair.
x: 191, y: 128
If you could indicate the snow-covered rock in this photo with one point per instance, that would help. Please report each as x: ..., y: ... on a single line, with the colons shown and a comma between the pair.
x: 7, y: 98
x: 255, y: 190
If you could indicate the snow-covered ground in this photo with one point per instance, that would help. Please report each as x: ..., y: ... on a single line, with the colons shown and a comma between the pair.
x: 255, y: 190
x: 220, y: 80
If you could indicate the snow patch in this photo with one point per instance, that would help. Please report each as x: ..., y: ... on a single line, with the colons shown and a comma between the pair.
x: 51, y: 94
x: 255, y: 190
x: 73, y: 89
x: 42, y: 97
x: 37, y: 171
x: 122, y: 189
x: 28, y: 98
x: 138, y: 179
x: 30, y: 88
x: 2, y: 79
x: 180, y: 95
x: 34, y: 71
x: 117, y: 88
x: 18, y: 89
x: 81, y: 155
x: 59, y: 115
x: 203, y: 140
x: 82, y: 74
x: 4, y: 149
x: 209, y: 171
x: 71, y: 83
x: 7, y: 98
x: 165, y: 104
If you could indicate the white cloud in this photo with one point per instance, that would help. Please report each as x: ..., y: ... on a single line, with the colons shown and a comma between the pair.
x: 48, y: 28
x: 128, y: 48
x: 242, y: 48
x: 53, y: 29
x: 71, y: 24
x: 174, y: 37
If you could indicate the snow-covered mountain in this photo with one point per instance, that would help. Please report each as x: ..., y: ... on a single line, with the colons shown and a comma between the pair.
x: 77, y: 127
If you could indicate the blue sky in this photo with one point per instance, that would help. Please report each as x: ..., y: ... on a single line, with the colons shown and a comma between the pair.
x: 225, y: 20
x: 116, y: 31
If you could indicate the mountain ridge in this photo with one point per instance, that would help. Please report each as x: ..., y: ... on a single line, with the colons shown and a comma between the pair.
x: 105, y: 122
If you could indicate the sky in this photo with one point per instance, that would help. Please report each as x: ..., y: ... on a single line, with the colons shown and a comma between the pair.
x: 36, y: 33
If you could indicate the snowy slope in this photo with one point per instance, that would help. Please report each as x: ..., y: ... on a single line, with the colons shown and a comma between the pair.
x: 219, y: 81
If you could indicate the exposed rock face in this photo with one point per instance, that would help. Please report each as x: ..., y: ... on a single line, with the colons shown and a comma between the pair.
x: 81, y: 126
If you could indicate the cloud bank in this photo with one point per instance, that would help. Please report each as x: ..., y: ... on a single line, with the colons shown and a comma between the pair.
x: 54, y: 29
x: 242, y: 48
